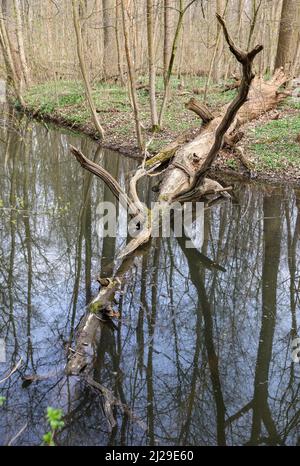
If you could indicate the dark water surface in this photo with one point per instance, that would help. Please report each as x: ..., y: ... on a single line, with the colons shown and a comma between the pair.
x: 199, y: 356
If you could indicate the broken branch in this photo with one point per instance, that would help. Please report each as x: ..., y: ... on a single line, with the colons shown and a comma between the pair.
x: 200, y: 109
x: 107, y: 178
x: 246, y: 59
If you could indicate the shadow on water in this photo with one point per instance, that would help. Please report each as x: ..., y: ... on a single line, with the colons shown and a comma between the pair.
x: 201, y: 353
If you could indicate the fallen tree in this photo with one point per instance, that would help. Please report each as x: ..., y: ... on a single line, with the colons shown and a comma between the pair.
x: 185, y: 164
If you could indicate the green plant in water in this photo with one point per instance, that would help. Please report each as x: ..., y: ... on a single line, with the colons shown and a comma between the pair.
x: 2, y: 400
x: 54, y: 418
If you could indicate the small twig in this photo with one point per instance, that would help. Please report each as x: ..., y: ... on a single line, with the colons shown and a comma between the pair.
x: 17, y: 435
x: 12, y: 371
x: 111, y: 400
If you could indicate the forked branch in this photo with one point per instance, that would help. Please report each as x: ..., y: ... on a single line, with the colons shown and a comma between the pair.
x: 246, y: 59
x: 110, y: 181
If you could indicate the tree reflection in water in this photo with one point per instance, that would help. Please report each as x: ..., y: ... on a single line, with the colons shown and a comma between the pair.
x: 199, y: 356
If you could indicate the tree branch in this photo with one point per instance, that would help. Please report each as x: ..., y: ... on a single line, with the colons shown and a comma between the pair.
x: 107, y: 178
x: 246, y: 59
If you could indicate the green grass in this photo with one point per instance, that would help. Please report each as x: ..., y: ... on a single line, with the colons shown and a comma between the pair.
x: 274, y: 144
x: 66, y: 99
x: 232, y: 163
x: 291, y: 102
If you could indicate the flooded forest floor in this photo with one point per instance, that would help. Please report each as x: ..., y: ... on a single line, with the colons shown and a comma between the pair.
x: 271, y: 143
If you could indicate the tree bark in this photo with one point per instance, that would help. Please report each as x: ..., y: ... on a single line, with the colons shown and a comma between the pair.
x: 119, y: 56
x: 263, y: 96
x: 200, y: 109
x: 108, y: 39
x: 285, y: 47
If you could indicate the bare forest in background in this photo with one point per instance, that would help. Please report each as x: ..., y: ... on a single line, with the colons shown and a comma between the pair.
x: 43, y: 39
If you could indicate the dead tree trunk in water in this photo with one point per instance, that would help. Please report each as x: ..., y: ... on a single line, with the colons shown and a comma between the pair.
x: 185, y: 177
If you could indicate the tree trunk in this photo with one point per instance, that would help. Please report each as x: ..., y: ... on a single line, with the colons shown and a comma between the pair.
x: 212, y: 62
x: 108, y: 39
x: 11, y: 65
x: 271, y: 259
x: 167, y: 35
x: 182, y: 11
x: 288, y: 24
x: 132, y: 77
x: 20, y: 39
x: 87, y: 86
x: 263, y: 96
x: 200, y: 109
x: 151, y: 63
x: 119, y: 56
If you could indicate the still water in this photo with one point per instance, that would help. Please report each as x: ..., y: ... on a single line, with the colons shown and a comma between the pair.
x: 201, y: 353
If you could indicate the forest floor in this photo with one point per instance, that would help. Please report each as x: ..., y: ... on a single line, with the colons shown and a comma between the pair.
x: 270, y: 142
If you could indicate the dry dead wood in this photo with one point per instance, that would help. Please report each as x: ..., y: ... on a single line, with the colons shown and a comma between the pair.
x: 185, y: 177
x: 246, y: 59
x: 200, y: 109
x: 232, y: 86
x: 89, y: 328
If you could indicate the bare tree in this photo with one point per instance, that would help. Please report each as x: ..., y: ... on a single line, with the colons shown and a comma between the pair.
x: 181, y: 12
x: 20, y: 40
x: 286, y: 39
x: 167, y: 35
x: 84, y: 72
x: 119, y: 56
x: 216, y: 47
x: 131, y: 72
x: 185, y: 180
x: 152, y: 68
x: 108, y: 38
x: 13, y: 74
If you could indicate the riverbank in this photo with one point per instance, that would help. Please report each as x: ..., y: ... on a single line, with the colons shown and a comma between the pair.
x: 270, y: 143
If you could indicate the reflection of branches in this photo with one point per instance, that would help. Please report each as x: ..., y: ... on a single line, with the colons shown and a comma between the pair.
x: 239, y: 413
x: 17, y: 435
x: 272, y: 241
x: 151, y: 329
x: 197, y: 277
x: 12, y: 371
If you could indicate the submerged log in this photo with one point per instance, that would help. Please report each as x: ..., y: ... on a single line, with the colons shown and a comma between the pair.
x: 97, y: 315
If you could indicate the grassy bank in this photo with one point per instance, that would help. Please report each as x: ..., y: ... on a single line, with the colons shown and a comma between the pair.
x: 64, y: 102
x: 270, y: 142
